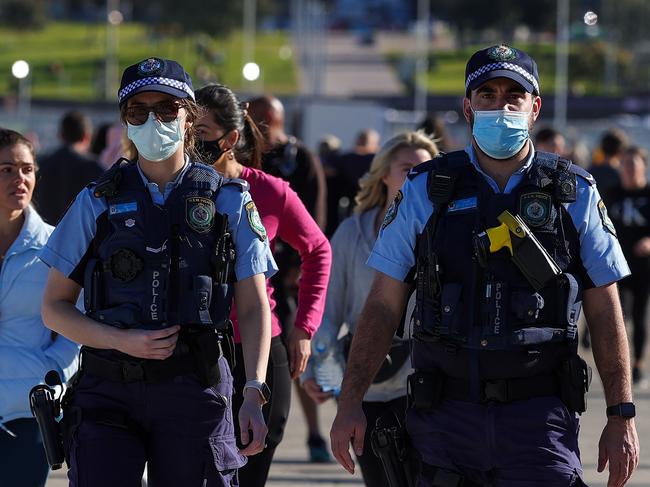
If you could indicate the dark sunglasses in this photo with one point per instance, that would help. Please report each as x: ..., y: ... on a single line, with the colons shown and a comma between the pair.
x: 165, y: 111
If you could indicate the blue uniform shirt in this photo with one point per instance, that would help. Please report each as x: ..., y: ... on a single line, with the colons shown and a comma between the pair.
x: 394, y: 251
x: 74, y: 233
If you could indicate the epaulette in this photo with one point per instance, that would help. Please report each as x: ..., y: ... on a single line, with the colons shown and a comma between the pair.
x: 241, y: 183
x: 583, y: 173
x: 108, y: 183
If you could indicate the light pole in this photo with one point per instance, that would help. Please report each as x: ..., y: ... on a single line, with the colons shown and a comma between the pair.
x: 20, y: 71
x: 113, y: 19
x: 250, y: 70
x: 422, y: 60
x: 561, y: 65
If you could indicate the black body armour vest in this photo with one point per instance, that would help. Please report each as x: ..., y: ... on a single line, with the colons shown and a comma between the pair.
x: 155, y: 266
x: 487, y: 322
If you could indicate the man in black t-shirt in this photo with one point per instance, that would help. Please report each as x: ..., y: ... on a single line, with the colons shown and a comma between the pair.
x: 65, y: 172
x: 630, y: 212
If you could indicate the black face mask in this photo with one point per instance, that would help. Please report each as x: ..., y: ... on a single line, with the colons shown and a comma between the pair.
x: 210, y: 149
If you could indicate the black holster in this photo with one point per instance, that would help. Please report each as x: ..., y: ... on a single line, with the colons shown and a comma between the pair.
x: 574, y: 376
x: 205, y: 347
x: 390, y: 443
x: 46, y: 411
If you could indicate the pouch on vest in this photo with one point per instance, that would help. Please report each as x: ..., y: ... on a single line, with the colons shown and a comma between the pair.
x: 425, y: 389
x: 451, y: 320
x: 202, y: 287
x: 206, y: 351
x: 574, y: 376
x: 122, y: 316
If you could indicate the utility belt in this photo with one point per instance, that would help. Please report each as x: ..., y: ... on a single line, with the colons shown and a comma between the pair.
x: 570, y: 382
x: 203, y: 351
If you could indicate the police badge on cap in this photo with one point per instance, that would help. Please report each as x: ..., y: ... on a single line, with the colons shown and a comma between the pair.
x: 199, y: 213
x: 151, y: 66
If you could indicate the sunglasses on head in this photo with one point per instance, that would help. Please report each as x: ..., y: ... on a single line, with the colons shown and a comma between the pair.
x: 165, y: 111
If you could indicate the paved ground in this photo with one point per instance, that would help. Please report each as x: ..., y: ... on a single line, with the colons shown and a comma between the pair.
x: 291, y: 469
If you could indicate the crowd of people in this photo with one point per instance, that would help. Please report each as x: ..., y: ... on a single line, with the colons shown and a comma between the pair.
x: 202, y: 260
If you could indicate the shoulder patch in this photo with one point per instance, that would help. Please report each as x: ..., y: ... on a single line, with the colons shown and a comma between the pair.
x: 604, y: 218
x: 254, y: 220
x: 242, y: 184
x: 583, y: 173
x: 392, y: 209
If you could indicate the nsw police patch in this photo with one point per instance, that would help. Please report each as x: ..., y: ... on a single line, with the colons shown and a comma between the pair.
x: 604, y: 217
x: 502, y: 53
x: 535, y: 208
x: 199, y: 213
x: 254, y: 220
x: 151, y: 67
x: 392, y: 210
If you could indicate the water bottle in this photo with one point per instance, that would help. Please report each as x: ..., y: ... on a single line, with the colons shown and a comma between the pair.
x: 328, y: 367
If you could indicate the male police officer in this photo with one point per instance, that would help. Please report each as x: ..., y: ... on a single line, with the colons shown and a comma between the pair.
x: 498, y: 381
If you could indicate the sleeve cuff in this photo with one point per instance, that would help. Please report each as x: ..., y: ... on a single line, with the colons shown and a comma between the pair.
x: 391, y: 269
x: 607, y: 275
x: 52, y: 259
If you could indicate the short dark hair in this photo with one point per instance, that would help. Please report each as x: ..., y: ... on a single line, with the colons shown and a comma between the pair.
x: 613, y: 142
x: 546, y: 134
x: 74, y: 127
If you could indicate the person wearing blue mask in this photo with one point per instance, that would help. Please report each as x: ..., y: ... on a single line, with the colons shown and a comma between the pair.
x: 160, y: 244
x: 503, y: 245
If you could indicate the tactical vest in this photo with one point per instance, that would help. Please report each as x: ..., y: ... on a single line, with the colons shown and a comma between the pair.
x: 486, y: 320
x: 154, y: 266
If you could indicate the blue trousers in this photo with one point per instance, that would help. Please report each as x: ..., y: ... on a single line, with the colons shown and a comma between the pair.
x: 182, y: 429
x: 22, y: 459
x: 530, y: 443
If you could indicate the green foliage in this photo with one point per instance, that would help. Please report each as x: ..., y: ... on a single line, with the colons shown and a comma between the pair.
x: 68, y: 59
x: 214, y: 17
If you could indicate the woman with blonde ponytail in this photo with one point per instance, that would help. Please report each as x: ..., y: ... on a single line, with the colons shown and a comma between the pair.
x: 350, y: 282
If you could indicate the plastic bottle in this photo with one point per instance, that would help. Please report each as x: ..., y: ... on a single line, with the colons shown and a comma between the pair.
x: 328, y: 366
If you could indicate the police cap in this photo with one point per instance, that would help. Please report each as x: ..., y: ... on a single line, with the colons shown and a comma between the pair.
x: 155, y: 74
x: 501, y: 62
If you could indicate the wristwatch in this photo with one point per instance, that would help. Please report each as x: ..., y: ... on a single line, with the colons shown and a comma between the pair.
x: 624, y: 409
x: 260, y: 387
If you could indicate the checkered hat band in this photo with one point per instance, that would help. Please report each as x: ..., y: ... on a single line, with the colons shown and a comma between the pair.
x: 179, y: 85
x: 509, y: 66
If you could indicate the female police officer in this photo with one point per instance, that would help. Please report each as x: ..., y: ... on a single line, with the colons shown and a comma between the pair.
x: 153, y: 243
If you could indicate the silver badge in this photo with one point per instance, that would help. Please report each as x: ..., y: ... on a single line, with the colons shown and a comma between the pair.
x: 129, y: 223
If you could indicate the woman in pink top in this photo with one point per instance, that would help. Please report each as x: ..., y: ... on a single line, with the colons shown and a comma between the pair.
x: 231, y: 142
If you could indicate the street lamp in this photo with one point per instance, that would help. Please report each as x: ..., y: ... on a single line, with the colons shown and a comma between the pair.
x: 251, y: 71
x: 20, y: 71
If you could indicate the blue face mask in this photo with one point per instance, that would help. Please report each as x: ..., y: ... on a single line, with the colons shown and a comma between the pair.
x: 500, y: 133
x: 156, y: 140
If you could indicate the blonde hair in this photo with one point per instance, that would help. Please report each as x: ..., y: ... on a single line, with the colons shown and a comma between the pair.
x: 372, y: 189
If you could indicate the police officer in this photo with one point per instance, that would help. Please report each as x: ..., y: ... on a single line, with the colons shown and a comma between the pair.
x: 156, y: 244
x: 497, y: 383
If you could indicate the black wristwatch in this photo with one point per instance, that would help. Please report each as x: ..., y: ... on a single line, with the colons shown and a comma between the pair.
x: 624, y: 410
x: 260, y: 387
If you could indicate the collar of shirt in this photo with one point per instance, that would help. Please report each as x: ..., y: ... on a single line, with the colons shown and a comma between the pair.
x: 158, y: 197
x: 514, y: 179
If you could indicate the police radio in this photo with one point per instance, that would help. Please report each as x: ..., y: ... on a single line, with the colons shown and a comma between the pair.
x: 45, y: 404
